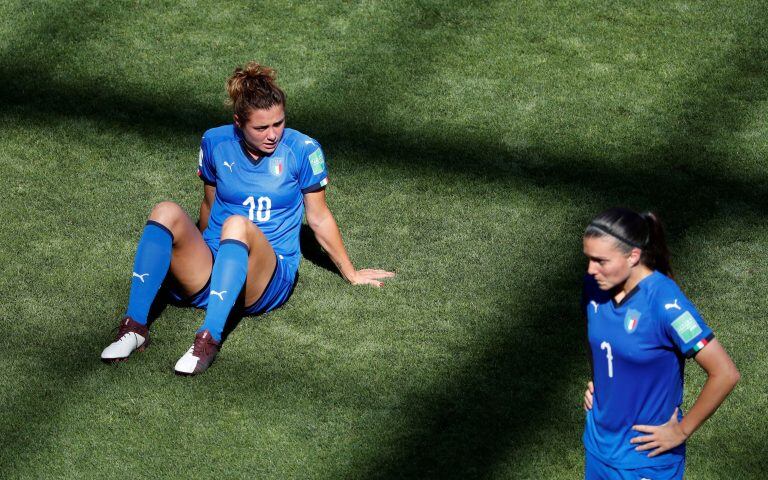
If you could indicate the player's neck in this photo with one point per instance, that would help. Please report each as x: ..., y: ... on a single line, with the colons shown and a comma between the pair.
x: 252, y: 152
x: 636, y: 275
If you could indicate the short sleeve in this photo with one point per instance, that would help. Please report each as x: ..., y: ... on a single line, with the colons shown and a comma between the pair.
x: 206, y: 169
x: 313, y: 174
x: 684, y: 326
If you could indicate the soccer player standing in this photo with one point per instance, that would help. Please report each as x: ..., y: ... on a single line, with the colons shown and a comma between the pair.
x: 641, y: 329
x: 260, y: 178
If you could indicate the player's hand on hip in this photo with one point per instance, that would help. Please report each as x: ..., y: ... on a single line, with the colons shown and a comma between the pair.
x: 660, y: 438
x: 370, y: 276
x: 588, y: 396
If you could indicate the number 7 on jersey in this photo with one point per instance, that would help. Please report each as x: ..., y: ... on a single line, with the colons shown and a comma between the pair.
x: 609, y: 355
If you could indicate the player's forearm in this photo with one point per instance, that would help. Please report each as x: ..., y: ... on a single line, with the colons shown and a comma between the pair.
x: 329, y: 237
x: 716, y: 389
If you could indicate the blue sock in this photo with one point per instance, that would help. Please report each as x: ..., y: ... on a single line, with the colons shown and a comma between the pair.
x: 229, y: 272
x: 153, y: 257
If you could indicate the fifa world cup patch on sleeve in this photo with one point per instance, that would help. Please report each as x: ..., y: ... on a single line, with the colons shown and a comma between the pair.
x: 317, y: 161
x: 686, y: 327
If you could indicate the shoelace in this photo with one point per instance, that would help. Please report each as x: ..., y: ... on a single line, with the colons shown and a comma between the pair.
x: 123, y: 329
x: 202, y: 346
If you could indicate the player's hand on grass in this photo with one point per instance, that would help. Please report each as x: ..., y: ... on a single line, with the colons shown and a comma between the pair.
x: 370, y: 276
x: 662, y: 437
x: 588, y: 395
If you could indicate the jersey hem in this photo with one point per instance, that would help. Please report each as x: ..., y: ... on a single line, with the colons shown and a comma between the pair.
x: 673, y: 459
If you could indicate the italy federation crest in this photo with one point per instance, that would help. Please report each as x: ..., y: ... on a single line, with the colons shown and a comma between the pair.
x: 276, y: 166
x: 631, y: 320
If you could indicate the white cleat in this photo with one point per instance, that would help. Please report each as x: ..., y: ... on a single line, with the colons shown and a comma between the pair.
x: 200, y: 355
x: 131, y: 336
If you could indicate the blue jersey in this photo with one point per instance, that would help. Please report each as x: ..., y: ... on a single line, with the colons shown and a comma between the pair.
x: 269, y: 191
x: 639, y: 347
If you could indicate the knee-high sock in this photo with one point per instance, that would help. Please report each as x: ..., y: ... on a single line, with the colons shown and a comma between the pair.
x: 153, y: 257
x: 227, y: 279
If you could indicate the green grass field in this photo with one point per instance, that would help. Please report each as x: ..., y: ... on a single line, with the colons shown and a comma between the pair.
x: 468, y: 145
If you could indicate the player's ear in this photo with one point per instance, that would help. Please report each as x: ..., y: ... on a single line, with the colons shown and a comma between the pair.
x: 634, y: 257
x: 237, y: 121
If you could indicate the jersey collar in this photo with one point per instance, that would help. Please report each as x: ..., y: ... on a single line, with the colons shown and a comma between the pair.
x: 632, y: 292
x: 246, y: 148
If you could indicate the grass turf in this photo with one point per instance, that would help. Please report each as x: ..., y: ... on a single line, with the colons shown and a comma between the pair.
x: 468, y: 144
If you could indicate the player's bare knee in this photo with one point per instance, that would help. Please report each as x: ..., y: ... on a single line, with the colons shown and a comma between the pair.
x: 166, y: 213
x: 236, y: 227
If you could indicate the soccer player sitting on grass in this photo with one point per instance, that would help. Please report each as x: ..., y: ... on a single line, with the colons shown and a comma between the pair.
x: 259, y: 178
x: 641, y: 328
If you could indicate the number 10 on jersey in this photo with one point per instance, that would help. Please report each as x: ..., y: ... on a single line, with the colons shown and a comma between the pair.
x: 263, y: 210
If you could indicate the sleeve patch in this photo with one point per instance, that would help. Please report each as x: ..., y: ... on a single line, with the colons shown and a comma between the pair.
x: 317, y: 161
x: 686, y: 327
x: 699, y: 346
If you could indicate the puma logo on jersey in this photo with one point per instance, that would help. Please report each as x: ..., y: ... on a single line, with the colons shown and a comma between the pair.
x: 594, y: 304
x: 230, y: 165
x: 674, y: 304
x: 309, y: 142
x: 219, y: 294
x: 140, y: 277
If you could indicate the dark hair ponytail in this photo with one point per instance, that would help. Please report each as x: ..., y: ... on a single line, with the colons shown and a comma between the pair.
x: 634, y: 230
x: 656, y: 254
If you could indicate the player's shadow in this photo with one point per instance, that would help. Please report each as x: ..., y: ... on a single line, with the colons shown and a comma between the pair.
x: 313, y: 252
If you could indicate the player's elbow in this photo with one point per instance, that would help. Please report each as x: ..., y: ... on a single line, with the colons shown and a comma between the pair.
x: 730, y: 376
x: 316, y: 222
x: 734, y: 376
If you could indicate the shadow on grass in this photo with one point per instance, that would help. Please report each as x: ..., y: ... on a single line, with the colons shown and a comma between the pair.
x: 466, y: 427
x: 313, y: 252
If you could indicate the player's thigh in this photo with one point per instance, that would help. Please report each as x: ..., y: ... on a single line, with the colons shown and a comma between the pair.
x: 191, y: 259
x: 261, y: 266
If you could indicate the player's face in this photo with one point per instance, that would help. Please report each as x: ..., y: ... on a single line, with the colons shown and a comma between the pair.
x: 607, y: 262
x: 263, y: 129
